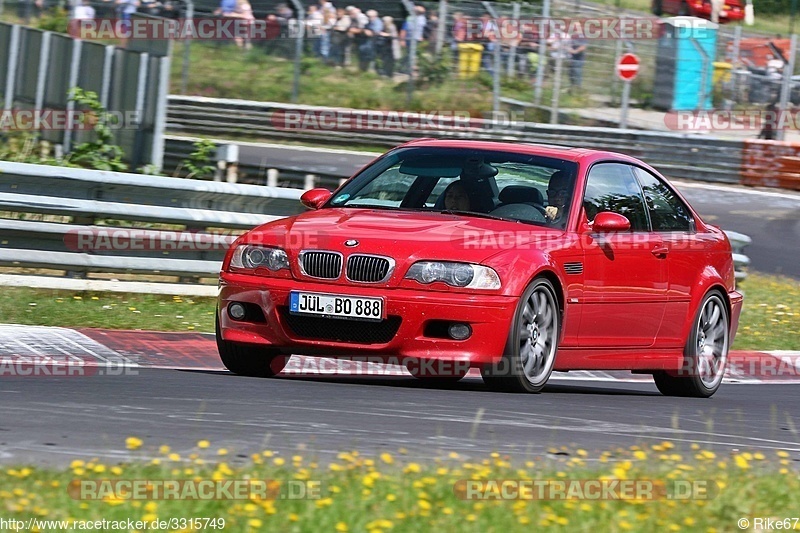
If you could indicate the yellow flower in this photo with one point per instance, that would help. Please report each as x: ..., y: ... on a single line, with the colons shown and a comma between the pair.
x: 324, y: 502
x: 387, y: 458
x: 77, y: 463
x: 423, y: 504
x: 741, y: 462
x: 380, y: 524
x: 203, y: 444
x: 151, y: 507
x: 163, y: 449
x: 471, y: 518
x: 341, y: 527
x: 412, y: 467
x: 279, y: 461
x: 782, y: 453
x: 174, y: 457
x: 391, y: 497
x: 640, y: 455
x: 133, y: 443
x: 222, y: 451
x: 255, y: 522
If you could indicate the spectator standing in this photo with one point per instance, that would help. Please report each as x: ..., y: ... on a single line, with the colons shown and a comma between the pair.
x: 83, y: 11
x: 458, y: 33
x: 339, y: 37
x: 328, y: 21
x: 409, y: 32
x: 388, y: 47
x: 368, y: 37
x: 577, y: 51
x: 244, y: 12
x: 314, y: 21
x: 151, y: 7
x: 126, y: 8
x: 558, y: 42
x: 489, y: 41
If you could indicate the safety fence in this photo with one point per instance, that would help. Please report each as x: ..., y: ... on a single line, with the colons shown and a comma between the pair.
x: 87, y: 223
x: 688, y: 156
x: 38, y: 69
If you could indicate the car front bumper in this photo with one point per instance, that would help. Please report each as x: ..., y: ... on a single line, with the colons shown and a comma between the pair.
x: 412, y: 311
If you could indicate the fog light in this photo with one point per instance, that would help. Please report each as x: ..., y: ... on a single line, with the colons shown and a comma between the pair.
x: 236, y: 311
x: 459, y: 332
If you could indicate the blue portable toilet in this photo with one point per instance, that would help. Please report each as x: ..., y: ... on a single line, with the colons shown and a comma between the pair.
x: 687, y: 49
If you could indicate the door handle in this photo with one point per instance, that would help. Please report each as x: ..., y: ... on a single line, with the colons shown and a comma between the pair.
x: 660, y: 251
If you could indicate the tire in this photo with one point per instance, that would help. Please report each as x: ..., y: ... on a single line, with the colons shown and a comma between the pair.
x: 530, y: 352
x: 249, y: 359
x: 704, y: 359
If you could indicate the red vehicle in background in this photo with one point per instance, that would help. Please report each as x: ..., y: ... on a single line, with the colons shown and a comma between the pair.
x: 731, y: 9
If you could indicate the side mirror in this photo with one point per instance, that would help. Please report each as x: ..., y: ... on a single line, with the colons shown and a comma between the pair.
x: 315, y: 198
x: 608, y: 222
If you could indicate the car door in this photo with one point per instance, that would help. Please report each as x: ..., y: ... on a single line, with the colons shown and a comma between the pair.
x: 673, y: 221
x: 625, y: 273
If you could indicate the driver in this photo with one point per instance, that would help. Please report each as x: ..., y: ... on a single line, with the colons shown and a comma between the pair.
x: 558, y: 198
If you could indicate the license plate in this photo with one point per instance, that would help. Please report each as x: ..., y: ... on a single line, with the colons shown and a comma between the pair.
x: 336, y: 306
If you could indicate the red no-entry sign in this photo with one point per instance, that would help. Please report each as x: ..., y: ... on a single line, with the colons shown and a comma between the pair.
x: 628, y: 67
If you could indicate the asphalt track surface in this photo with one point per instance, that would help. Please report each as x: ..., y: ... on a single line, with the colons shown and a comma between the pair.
x: 52, y: 420
x: 770, y: 216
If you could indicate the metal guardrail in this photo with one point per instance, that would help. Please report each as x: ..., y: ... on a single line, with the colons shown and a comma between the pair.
x: 739, y: 242
x: 686, y: 156
x: 48, y: 209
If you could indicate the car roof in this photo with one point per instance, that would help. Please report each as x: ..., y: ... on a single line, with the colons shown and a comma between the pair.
x: 569, y: 153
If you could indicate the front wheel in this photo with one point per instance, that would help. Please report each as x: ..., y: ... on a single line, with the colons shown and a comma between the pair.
x: 249, y: 359
x: 530, y: 352
x: 706, y: 353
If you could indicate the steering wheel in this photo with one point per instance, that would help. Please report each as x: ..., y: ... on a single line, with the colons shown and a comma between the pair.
x: 524, y: 212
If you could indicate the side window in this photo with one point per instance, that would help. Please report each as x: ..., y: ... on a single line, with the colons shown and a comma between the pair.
x: 667, y: 211
x: 613, y: 187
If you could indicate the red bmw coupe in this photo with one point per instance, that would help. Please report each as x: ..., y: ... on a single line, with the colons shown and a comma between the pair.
x: 516, y: 259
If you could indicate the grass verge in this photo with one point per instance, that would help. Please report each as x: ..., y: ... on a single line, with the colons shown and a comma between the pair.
x: 770, y: 319
x: 392, y: 492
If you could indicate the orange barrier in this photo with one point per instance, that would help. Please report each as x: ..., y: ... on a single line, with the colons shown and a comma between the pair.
x: 771, y: 164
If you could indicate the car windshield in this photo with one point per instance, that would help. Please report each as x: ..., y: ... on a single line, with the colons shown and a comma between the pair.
x: 481, y: 183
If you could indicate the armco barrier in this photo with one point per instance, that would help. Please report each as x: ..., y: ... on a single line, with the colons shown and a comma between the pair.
x: 46, y: 209
x: 677, y: 155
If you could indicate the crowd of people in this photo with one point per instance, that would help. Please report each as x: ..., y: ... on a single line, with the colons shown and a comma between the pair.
x: 343, y: 36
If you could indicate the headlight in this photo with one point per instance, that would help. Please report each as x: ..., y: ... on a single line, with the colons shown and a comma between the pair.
x: 252, y: 257
x: 463, y: 275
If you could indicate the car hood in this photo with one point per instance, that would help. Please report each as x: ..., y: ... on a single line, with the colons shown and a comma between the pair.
x: 400, y: 234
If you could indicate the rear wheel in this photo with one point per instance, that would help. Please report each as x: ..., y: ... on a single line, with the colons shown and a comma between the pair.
x: 532, y: 344
x: 706, y: 353
x: 249, y: 359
